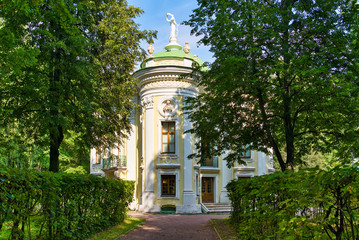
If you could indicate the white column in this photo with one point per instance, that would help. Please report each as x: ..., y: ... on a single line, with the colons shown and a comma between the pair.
x: 189, y: 196
x: 148, y: 196
x: 131, y: 152
x: 262, y: 165
x: 226, y: 178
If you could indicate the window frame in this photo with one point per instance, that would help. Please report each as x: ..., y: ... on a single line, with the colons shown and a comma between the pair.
x: 98, y: 157
x: 161, y: 172
x: 171, y: 180
x: 169, y: 133
x: 245, y: 151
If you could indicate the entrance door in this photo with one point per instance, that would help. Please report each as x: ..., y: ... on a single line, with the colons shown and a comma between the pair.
x: 207, y: 189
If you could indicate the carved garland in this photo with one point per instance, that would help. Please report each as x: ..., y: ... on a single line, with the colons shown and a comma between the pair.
x: 167, y: 106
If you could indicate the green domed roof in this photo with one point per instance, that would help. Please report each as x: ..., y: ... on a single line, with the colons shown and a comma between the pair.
x: 172, y: 54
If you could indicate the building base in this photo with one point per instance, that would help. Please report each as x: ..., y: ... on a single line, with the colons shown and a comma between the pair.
x: 224, y: 197
x: 148, y: 203
x: 189, y: 203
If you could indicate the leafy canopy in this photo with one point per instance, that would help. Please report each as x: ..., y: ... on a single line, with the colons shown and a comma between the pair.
x: 285, y: 77
x: 66, y: 66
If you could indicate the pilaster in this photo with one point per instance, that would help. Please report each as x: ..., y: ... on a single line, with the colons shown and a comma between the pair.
x: 226, y: 178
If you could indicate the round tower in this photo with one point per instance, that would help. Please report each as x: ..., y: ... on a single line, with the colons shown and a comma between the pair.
x: 167, y: 173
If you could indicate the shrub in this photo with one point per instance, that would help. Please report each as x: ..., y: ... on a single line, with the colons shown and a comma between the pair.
x: 71, y: 206
x: 308, y: 204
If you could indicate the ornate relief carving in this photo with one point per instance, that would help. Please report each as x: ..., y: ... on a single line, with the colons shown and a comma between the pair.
x: 166, y: 84
x: 147, y: 102
x: 167, y: 106
x: 161, y: 77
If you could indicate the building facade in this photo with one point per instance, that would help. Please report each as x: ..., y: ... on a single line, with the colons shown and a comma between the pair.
x: 155, y: 155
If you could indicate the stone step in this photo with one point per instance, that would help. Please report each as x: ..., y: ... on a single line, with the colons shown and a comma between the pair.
x: 218, y: 207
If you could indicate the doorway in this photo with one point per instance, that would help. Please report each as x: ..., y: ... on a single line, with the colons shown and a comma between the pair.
x: 208, y: 189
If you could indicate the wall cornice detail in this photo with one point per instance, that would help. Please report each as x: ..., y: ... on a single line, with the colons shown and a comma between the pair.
x: 167, y: 84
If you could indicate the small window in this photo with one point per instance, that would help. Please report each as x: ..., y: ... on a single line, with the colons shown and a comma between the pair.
x: 168, y: 137
x: 245, y: 153
x: 168, y: 185
x: 197, y: 185
x: 98, y: 156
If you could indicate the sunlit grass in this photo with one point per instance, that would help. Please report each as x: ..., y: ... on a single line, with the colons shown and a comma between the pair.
x: 36, y: 222
x: 118, y: 230
x: 108, y: 234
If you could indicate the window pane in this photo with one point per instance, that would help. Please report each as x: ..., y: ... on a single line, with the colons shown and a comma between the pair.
x: 165, y: 147
x: 172, y: 147
x: 164, y: 127
x: 168, y: 184
x: 171, y: 126
x: 172, y: 138
x: 164, y: 138
x: 248, y: 153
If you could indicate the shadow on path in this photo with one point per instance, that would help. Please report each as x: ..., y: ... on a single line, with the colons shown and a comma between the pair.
x: 173, y: 227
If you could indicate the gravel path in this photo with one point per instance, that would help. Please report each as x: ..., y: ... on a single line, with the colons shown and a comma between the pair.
x: 170, y: 226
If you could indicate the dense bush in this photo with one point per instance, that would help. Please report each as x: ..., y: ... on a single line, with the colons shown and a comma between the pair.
x: 308, y: 204
x: 70, y: 206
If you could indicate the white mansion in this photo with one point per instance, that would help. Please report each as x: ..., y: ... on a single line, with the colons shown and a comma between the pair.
x: 155, y: 155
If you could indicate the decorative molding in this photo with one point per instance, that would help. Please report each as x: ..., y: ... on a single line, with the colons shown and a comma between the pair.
x: 210, y: 169
x: 165, y: 76
x: 168, y: 83
x: 168, y: 159
x: 147, y: 102
x: 167, y: 106
x: 244, y: 169
x: 168, y: 166
x: 271, y: 170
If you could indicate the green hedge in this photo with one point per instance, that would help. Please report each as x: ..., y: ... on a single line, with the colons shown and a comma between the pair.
x: 308, y: 204
x: 69, y: 206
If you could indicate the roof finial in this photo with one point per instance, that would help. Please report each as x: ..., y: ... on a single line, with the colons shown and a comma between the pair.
x: 186, y: 49
x: 150, y: 49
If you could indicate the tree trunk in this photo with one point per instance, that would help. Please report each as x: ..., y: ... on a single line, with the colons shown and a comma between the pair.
x: 56, y: 137
x: 55, y: 128
x: 269, y: 134
x: 287, y: 102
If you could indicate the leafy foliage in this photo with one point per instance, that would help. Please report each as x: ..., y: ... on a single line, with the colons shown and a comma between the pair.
x: 285, y: 77
x: 71, y: 206
x: 308, y: 204
x: 66, y: 66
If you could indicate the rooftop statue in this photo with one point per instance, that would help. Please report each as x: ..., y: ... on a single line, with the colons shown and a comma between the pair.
x: 174, y: 27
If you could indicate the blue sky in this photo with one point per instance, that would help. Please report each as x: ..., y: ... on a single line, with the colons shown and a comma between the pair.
x: 154, y: 18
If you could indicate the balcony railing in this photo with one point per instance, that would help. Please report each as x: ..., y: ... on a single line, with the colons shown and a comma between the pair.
x: 114, y: 161
x: 210, y: 162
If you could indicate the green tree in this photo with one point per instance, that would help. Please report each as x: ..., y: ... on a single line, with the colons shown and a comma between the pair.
x: 285, y: 76
x: 66, y: 65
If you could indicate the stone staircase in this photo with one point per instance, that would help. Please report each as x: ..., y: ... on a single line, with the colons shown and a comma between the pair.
x: 216, y: 207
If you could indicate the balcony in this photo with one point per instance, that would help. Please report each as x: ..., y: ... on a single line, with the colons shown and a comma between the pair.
x: 114, y: 161
x: 210, y: 162
x: 210, y: 165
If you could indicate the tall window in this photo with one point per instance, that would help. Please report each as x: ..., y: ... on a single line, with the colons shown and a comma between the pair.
x: 98, y: 156
x: 168, y: 137
x: 168, y: 185
x: 246, y: 153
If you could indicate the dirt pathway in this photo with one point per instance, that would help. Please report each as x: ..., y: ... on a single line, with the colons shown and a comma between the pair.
x: 173, y: 227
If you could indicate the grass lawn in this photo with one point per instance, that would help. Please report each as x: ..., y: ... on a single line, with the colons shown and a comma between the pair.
x: 108, y: 234
x: 36, y: 222
x: 118, y: 230
x: 224, y: 229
